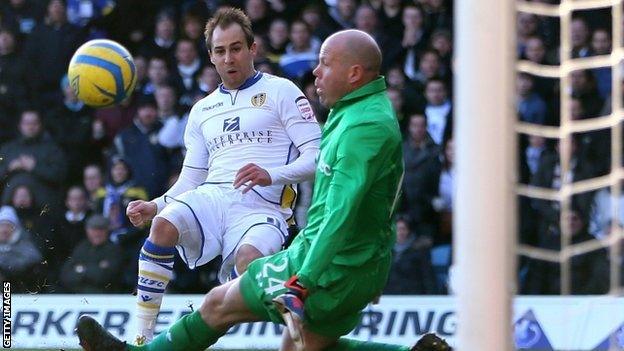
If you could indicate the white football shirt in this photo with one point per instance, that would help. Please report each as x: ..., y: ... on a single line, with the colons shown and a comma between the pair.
x: 264, y: 122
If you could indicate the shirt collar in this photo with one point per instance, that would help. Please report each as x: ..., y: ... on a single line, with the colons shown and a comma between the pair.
x: 372, y: 87
x: 246, y: 84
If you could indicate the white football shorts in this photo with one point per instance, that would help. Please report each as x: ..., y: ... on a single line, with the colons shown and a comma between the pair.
x: 216, y: 219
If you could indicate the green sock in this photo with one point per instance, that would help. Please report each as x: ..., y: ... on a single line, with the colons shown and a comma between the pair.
x: 345, y: 344
x: 189, y: 333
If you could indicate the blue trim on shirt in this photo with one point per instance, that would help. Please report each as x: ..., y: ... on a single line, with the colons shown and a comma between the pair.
x: 246, y: 84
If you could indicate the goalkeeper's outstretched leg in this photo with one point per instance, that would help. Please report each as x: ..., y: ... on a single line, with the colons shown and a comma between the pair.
x: 223, y: 307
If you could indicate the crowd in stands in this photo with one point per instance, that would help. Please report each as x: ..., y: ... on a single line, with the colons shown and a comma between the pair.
x: 67, y: 171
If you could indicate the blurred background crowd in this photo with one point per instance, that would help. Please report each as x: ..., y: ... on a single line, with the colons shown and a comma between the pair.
x: 67, y: 171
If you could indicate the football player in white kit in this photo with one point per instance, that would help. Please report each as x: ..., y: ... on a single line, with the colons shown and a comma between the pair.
x: 246, y: 143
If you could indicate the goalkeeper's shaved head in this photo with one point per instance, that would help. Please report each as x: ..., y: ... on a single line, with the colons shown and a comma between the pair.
x: 348, y: 60
x: 358, y: 48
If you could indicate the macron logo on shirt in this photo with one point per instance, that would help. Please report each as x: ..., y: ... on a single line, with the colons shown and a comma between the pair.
x: 231, y: 124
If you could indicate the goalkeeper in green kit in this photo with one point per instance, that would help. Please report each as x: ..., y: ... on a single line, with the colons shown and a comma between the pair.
x: 339, y: 263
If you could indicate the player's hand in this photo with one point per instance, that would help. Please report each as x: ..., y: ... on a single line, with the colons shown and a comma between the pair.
x: 253, y: 175
x: 139, y: 212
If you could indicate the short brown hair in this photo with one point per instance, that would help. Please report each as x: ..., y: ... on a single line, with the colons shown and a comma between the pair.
x: 223, y: 18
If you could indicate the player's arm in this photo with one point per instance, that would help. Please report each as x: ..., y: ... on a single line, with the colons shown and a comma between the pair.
x: 302, y: 128
x: 352, y: 175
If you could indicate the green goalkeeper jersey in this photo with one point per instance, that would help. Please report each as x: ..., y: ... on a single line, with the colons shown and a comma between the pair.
x: 358, y: 176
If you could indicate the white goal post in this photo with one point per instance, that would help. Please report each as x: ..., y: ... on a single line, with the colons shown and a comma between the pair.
x: 484, y: 138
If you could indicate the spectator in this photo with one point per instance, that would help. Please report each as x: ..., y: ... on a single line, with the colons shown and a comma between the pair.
x: 396, y: 98
x: 589, y: 271
x: 193, y: 30
x: 72, y: 224
x: 119, y: 191
x: 208, y: 80
x: 342, y: 15
x: 412, y: 98
x: 186, y: 71
x: 443, y: 202
x: 411, y: 272
x: 309, y: 90
x: 579, y: 37
x: 526, y: 27
x: 313, y: 16
x: 531, y: 156
x: 533, y: 151
x: 367, y: 21
x: 536, y: 52
x: 157, y: 75
x: 601, y: 218
x: 439, y: 15
x: 389, y: 16
x: 88, y: 15
x: 48, y: 50
x: 19, y: 257
x: 549, y: 175
x: 21, y: 16
x: 162, y: 44
x: 259, y: 13
x: 35, y: 160
x: 302, y: 53
x: 138, y: 145
x: 261, y: 48
x: 140, y: 63
x: 429, y: 66
x: 422, y: 169
x: 278, y: 39
x: 584, y: 87
x: 70, y: 123
x: 93, y: 183
x: 414, y: 38
x: 13, y: 94
x: 95, y: 264
x: 531, y: 107
x: 110, y: 120
x: 41, y: 225
x: 171, y: 135
x: 438, y: 111
x: 601, y: 42
x: 601, y: 45
x: 442, y: 42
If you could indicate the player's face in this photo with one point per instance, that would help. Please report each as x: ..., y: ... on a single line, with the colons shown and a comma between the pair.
x: 231, y: 56
x: 331, y: 76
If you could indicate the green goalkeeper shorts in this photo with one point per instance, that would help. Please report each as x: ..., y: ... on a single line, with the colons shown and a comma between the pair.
x: 331, y: 310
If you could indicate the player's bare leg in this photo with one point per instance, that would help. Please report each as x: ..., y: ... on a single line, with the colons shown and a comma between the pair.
x: 244, y: 256
x: 224, y: 307
x: 155, y: 272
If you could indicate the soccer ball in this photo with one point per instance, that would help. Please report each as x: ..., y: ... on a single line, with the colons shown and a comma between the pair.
x: 102, y: 73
